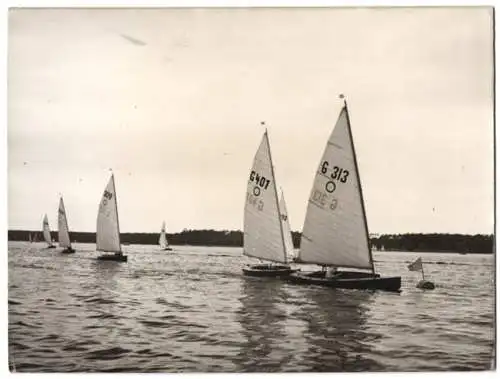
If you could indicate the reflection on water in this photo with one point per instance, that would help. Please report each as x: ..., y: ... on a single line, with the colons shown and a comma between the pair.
x: 336, y: 334
x: 262, y: 322
x: 192, y: 310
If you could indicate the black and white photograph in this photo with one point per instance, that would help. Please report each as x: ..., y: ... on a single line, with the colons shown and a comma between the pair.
x: 273, y: 189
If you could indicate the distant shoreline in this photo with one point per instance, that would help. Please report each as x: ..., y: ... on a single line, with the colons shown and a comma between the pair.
x: 410, y: 242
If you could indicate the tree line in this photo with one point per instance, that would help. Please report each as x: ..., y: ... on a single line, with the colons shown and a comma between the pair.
x: 234, y: 238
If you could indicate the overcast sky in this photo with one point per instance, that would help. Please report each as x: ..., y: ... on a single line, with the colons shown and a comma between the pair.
x: 172, y: 101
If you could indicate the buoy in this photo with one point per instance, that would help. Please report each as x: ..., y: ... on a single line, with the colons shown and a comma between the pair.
x: 425, y: 285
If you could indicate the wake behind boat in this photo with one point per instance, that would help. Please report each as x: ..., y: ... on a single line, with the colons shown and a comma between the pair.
x: 335, y: 232
x: 46, y: 233
x: 63, y: 230
x: 108, y: 229
x: 263, y: 231
x: 163, y: 242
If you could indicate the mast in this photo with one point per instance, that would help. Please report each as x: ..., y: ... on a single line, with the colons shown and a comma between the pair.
x: 116, y: 210
x: 276, y: 196
x: 359, y: 182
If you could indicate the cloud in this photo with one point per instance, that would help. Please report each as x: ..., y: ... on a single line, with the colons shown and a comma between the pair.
x: 133, y: 40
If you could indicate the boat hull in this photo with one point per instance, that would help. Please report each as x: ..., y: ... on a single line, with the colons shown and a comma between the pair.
x: 167, y: 249
x: 51, y: 247
x: 112, y: 257
x: 68, y: 250
x: 349, y: 280
x: 268, y: 270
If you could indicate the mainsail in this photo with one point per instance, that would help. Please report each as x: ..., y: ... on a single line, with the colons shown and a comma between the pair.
x: 335, y: 231
x: 108, y: 230
x: 263, y: 232
x: 46, y: 231
x: 163, y: 238
x: 63, y: 229
x: 287, y: 232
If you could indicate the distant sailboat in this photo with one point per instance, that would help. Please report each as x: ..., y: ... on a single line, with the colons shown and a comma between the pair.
x: 46, y: 233
x: 108, y: 229
x: 287, y: 232
x: 335, y: 232
x: 163, y: 239
x: 30, y: 238
x: 63, y: 230
x: 263, y: 231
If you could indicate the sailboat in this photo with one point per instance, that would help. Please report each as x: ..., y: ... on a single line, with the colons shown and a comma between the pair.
x: 287, y: 232
x: 63, y: 230
x: 108, y: 229
x: 335, y: 232
x: 263, y: 236
x: 163, y: 239
x: 46, y: 233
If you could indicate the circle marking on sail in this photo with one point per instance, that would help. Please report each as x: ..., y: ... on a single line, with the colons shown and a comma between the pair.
x: 330, y: 187
x: 256, y: 191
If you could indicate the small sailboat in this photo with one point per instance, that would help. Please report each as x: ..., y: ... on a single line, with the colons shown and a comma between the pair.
x: 335, y: 232
x: 46, y: 233
x: 287, y: 231
x: 263, y: 236
x: 30, y: 238
x: 163, y: 239
x: 63, y: 230
x: 108, y: 229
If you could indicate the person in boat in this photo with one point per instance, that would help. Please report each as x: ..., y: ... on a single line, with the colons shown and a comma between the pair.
x: 331, y: 271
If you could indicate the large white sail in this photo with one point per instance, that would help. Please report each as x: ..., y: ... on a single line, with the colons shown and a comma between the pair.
x: 163, y: 237
x: 287, y: 231
x: 46, y: 231
x: 63, y: 229
x: 108, y: 230
x: 335, y: 231
x: 263, y: 235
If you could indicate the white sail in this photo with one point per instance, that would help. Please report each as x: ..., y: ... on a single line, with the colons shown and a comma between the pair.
x: 63, y: 229
x: 163, y: 237
x: 287, y: 232
x: 263, y: 235
x: 46, y: 231
x: 108, y: 230
x: 335, y: 231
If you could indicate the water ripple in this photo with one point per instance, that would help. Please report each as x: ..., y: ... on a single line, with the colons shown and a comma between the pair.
x: 193, y: 311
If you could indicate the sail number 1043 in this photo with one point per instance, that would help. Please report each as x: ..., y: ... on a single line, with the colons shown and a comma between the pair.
x: 338, y: 173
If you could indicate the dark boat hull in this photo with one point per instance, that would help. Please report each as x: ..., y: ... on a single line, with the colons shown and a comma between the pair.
x: 167, y: 249
x: 68, y: 250
x: 51, y: 247
x: 268, y: 270
x: 112, y: 257
x: 349, y: 280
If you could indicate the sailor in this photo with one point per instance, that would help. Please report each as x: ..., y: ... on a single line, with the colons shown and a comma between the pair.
x: 330, y: 272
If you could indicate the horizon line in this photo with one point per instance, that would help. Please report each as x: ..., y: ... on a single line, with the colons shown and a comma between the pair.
x: 371, y: 235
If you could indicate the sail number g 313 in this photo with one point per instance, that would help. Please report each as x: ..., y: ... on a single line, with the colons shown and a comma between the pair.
x: 261, y: 181
x: 337, y: 173
x: 321, y: 200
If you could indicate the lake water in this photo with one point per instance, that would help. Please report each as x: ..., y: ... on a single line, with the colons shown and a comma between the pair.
x: 192, y: 310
